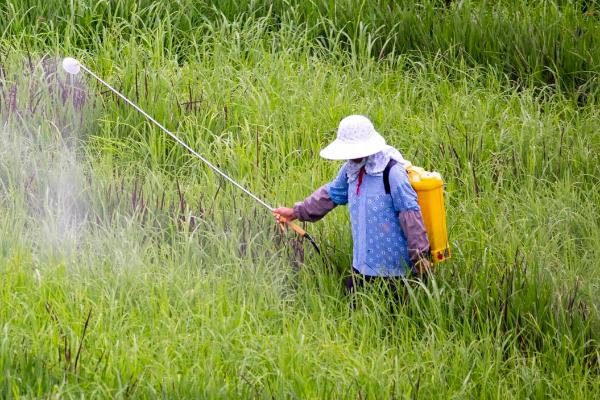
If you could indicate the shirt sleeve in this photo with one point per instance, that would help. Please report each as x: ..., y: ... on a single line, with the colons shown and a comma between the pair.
x: 416, y: 235
x: 315, y: 206
x: 338, y: 188
x: 409, y: 213
x: 403, y: 195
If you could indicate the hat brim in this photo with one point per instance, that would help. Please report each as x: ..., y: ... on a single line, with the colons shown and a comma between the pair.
x: 339, y: 150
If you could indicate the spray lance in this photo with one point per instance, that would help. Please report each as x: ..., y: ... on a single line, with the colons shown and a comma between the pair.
x: 73, y: 67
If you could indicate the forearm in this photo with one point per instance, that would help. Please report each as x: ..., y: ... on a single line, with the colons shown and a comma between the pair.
x: 416, y: 235
x: 315, y: 206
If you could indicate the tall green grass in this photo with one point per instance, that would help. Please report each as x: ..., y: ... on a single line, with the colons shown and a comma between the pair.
x: 539, y: 42
x: 189, y: 288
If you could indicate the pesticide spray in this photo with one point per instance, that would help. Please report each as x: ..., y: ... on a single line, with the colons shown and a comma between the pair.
x: 74, y: 67
x: 42, y: 182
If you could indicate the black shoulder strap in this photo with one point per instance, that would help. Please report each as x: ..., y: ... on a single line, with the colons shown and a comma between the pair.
x: 386, y: 175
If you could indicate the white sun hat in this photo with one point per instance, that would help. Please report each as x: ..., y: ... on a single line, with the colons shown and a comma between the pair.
x: 356, y: 138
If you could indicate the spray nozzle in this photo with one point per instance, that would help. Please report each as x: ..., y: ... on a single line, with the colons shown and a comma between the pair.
x: 71, y: 65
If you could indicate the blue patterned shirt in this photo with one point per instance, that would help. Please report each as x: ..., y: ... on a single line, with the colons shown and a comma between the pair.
x: 379, y: 244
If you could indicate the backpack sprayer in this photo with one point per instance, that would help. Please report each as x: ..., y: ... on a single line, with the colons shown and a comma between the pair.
x: 429, y: 187
x: 73, y: 67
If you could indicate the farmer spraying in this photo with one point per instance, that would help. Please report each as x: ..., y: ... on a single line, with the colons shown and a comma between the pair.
x: 391, y: 235
x: 388, y: 233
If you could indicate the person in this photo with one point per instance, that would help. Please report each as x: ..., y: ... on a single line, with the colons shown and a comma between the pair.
x: 388, y: 233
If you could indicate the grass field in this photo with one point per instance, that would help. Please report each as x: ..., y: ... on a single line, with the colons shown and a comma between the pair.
x: 129, y: 269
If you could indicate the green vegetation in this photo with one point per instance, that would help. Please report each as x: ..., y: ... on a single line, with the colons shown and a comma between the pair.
x: 128, y: 269
x: 533, y: 41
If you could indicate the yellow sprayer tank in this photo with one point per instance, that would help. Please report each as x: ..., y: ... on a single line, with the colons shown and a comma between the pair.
x: 430, y: 192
